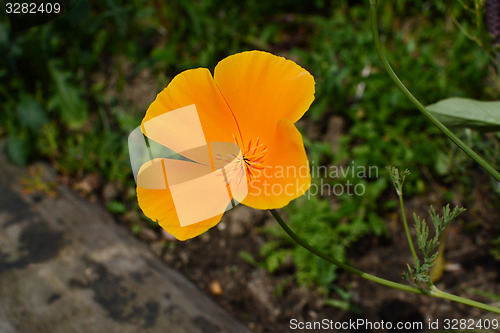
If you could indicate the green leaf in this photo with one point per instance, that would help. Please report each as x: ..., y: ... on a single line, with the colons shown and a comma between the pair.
x: 275, y: 259
x: 464, y: 112
x: 248, y: 257
x: 117, y: 207
x: 337, y: 303
x: 67, y: 100
x: 30, y: 114
x: 17, y: 150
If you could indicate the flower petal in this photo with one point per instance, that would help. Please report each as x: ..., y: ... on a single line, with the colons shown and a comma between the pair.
x: 218, y: 124
x: 195, y: 86
x: 261, y: 88
x: 158, y: 206
x: 286, y: 175
x: 161, y: 199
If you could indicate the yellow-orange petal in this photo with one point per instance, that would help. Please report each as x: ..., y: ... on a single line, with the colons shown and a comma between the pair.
x: 286, y: 174
x: 158, y: 206
x: 164, y: 198
x: 196, y: 86
x: 261, y: 88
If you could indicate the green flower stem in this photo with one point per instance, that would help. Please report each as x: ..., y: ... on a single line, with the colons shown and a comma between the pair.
x: 407, y: 230
x: 434, y: 292
x: 482, y: 162
x: 340, y: 264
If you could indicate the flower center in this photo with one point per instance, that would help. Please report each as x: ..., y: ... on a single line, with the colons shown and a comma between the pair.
x: 253, y: 158
x: 250, y: 162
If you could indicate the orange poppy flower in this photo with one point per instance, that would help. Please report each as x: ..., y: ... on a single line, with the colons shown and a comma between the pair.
x: 236, y: 129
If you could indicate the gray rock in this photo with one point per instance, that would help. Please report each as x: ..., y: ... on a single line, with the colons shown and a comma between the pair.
x: 67, y: 267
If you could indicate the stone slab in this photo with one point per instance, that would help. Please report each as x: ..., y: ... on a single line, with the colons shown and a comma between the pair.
x: 66, y: 266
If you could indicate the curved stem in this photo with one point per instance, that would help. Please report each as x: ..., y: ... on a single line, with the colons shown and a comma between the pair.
x: 407, y: 230
x: 481, y: 161
x: 434, y: 292
x: 340, y: 264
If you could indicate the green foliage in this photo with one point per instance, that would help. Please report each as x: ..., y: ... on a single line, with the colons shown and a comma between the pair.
x: 67, y: 99
x: 398, y: 179
x: 464, y: 112
x: 428, y: 246
x: 274, y: 254
x: 248, y: 257
x: 117, y: 207
x: 494, y: 297
x: 30, y: 114
x: 350, y: 83
x: 17, y: 149
x: 90, y: 153
x: 495, y: 248
x: 54, y: 107
x: 327, y: 230
x: 344, y: 303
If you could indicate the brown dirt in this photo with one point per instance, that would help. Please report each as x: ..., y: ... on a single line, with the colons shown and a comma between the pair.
x: 212, y: 262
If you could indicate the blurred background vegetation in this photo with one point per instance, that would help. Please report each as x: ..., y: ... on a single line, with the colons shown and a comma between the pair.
x: 72, y: 89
